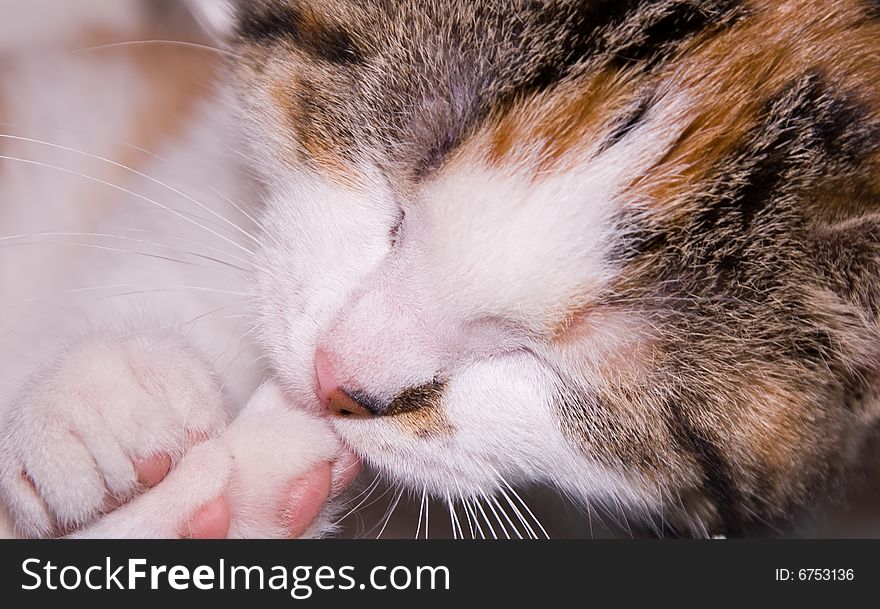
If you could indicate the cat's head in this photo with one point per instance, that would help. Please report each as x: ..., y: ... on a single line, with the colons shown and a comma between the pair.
x: 593, y: 243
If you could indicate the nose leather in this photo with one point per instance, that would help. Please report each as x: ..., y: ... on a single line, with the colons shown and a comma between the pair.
x: 325, y: 377
x: 338, y: 400
x: 343, y: 405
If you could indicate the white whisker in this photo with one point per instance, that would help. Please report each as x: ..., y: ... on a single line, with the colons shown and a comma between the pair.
x: 118, y: 250
x: 468, y: 516
x: 379, y: 498
x: 215, y: 250
x: 469, y: 506
x: 129, y: 192
x: 453, y: 519
x: 240, y: 209
x: 369, y: 490
x: 250, y: 161
x: 506, y: 517
x: 137, y: 173
x: 183, y: 288
x: 189, y: 322
x: 519, y: 515
x: 485, y: 518
x: 427, y: 515
x: 242, y: 370
x: 37, y: 318
x: 498, y: 518
x: 83, y: 290
x: 194, y: 45
x: 421, y: 511
x: 523, y: 503
x: 391, y: 512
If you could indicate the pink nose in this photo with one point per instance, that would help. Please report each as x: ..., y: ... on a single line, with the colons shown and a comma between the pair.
x: 333, y: 397
x: 325, y: 376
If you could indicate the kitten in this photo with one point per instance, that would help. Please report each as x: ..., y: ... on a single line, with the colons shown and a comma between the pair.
x: 627, y: 249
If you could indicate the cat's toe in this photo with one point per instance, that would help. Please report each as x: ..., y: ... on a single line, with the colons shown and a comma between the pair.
x: 152, y: 471
x: 105, y: 423
x: 55, y: 483
x: 21, y: 498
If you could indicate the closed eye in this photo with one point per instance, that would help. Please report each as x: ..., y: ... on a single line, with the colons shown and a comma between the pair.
x: 394, y: 232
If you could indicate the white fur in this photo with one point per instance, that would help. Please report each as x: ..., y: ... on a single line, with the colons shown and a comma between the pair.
x: 104, y: 405
x: 267, y: 447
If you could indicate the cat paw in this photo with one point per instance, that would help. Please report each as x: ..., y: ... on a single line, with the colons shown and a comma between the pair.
x: 273, y: 473
x: 104, y: 423
x: 289, y: 465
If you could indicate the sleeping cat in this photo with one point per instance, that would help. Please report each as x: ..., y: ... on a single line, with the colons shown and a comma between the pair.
x: 626, y: 249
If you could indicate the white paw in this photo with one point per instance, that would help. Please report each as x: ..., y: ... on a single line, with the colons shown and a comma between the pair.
x: 254, y: 465
x: 273, y: 446
x: 70, y: 444
x: 163, y: 511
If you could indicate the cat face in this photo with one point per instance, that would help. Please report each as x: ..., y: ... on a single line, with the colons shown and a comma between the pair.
x: 588, y: 243
x: 426, y: 290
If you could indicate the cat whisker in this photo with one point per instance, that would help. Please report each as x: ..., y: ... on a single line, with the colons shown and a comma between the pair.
x: 37, y: 318
x: 376, y: 500
x: 506, y: 517
x: 189, y: 322
x: 421, y: 511
x: 396, y: 501
x: 241, y: 371
x: 117, y: 250
x: 621, y: 517
x: 367, y: 489
x: 467, y: 516
x: 523, y: 503
x: 208, y: 248
x: 453, y: 519
x: 129, y: 192
x: 485, y: 518
x: 249, y: 332
x: 242, y: 351
x: 84, y: 290
x: 469, y: 506
x: 590, y: 520
x: 181, y: 43
x: 254, y: 221
x: 461, y: 500
x: 137, y: 173
x: 366, y: 493
x: 497, y: 518
x: 250, y: 161
x: 519, y: 515
x: 427, y: 516
x: 615, y: 518
x: 457, y: 520
x: 109, y: 249
x: 180, y: 288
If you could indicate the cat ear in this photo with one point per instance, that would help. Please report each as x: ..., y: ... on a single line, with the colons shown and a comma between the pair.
x: 217, y: 17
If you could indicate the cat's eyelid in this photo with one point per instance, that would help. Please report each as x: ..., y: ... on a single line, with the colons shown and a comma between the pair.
x: 394, y: 231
